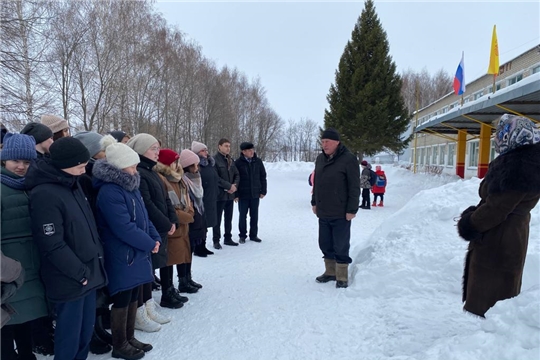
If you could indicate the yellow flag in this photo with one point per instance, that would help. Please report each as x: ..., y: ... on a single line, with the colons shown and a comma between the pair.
x: 494, y: 55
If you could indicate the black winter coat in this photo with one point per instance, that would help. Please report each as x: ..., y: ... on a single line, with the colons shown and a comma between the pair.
x: 210, y: 179
x: 160, y: 209
x: 336, y: 189
x: 85, y: 180
x: 252, y: 178
x: 228, y: 175
x: 65, y: 232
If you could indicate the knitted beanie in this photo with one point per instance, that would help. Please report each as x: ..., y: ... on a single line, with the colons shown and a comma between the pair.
x: 364, y: 163
x: 167, y: 156
x: 55, y: 123
x: 330, y: 134
x: 68, y: 152
x: 38, y: 131
x: 188, y: 158
x: 119, y: 155
x: 118, y: 135
x: 18, y: 147
x: 141, y: 143
x: 246, y: 146
x: 91, y: 140
x: 196, y: 147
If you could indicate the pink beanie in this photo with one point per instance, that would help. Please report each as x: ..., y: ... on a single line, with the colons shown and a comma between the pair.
x: 188, y: 158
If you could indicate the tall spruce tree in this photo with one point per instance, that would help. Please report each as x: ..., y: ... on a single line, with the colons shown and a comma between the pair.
x: 365, y: 103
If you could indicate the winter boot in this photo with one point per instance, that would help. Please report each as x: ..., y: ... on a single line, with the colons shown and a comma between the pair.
x: 101, y: 339
x: 98, y: 346
x: 230, y: 242
x: 130, y: 329
x: 185, y: 287
x: 374, y: 203
x: 342, y: 275
x: 152, y: 312
x: 192, y: 283
x: 208, y: 252
x: 122, y: 349
x: 329, y: 273
x: 176, y: 294
x: 242, y: 240
x: 217, y: 245
x: 170, y: 300
x: 381, y: 203
x: 144, y: 323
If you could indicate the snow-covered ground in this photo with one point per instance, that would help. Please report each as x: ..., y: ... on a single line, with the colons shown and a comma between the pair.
x: 261, y: 301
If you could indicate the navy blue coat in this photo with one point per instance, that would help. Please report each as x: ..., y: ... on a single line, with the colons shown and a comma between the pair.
x: 127, y: 233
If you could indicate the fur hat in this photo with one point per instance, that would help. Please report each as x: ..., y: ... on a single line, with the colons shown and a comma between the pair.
x: 196, y: 147
x: 38, y: 131
x: 330, y: 134
x: 188, y: 158
x: 119, y: 155
x: 246, y: 146
x: 168, y: 156
x: 55, y: 123
x: 18, y: 147
x: 514, y: 131
x: 68, y: 152
x: 91, y: 140
x: 141, y: 143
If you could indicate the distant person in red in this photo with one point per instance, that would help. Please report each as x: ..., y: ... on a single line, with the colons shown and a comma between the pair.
x: 380, y: 186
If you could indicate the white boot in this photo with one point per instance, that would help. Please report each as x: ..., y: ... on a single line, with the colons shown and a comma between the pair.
x: 144, y: 323
x: 153, y: 314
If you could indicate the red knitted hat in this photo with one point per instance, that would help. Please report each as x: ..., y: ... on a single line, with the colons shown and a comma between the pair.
x: 167, y: 156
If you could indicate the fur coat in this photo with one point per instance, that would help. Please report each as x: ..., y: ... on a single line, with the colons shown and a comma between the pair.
x: 498, y: 229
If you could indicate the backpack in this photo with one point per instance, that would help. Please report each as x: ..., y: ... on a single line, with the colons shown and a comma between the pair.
x: 373, y: 178
x: 381, y: 181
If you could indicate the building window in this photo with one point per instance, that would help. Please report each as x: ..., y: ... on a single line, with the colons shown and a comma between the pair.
x: 442, y: 151
x: 492, y: 153
x: 451, y: 151
x: 428, y: 156
x: 515, y: 79
x: 473, y: 154
x: 435, y: 154
x: 497, y: 87
x: 422, y: 152
x: 536, y: 69
x: 478, y: 95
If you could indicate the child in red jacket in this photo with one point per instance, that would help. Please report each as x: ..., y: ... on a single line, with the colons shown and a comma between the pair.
x: 380, y: 186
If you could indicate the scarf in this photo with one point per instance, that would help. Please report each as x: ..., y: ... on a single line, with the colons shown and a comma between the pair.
x: 194, y: 184
x: 14, y: 183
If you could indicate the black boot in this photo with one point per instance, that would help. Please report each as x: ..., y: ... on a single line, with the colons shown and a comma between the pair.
x: 176, y: 294
x: 43, y: 336
x: 130, y: 329
x: 190, y: 280
x: 208, y: 252
x: 122, y: 349
x: 98, y: 346
x: 101, y: 339
x: 185, y: 287
x: 169, y: 299
x: 200, y: 250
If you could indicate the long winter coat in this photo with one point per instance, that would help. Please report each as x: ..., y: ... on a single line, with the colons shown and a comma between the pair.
x: 128, y: 234
x: 228, y: 175
x: 12, y: 277
x: 65, y: 231
x: 18, y: 244
x: 210, y: 180
x: 179, y: 247
x: 498, y: 229
x: 158, y: 205
x: 336, y: 189
x: 85, y: 180
x: 252, y: 178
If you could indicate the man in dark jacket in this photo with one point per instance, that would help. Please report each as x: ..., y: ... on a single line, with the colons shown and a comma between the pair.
x: 209, y: 178
x: 335, y: 199
x: 251, y: 189
x: 65, y: 231
x: 228, y: 184
x: 43, y: 136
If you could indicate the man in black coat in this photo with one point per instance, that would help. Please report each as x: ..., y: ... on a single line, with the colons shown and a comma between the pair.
x: 335, y: 200
x: 66, y: 234
x: 209, y: 178
x: 228, y: 184
x: 251, y: 189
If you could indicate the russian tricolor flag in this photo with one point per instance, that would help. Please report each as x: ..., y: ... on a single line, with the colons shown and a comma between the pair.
x: 459, y: 79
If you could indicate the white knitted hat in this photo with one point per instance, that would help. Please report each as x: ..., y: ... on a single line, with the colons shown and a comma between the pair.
x: 141, y: 143
x: 119, y: 155
x: 197, y: 146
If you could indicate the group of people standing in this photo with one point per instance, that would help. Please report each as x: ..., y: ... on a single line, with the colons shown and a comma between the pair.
x: 86, y: 220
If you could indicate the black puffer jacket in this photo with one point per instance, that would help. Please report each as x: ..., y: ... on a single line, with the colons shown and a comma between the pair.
x: 209, y: 178
x: 336, y: 189
x: 252, y: 178
x: 160, y: 209
x: 228, y: 175
x: 85, y: 180
x: 65, y: 232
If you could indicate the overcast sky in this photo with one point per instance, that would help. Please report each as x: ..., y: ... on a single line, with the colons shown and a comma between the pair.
x: 294, y: 48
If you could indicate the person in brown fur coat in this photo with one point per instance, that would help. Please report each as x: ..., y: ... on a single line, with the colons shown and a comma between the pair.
x: 498, y: 227
x: 179, y: 250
